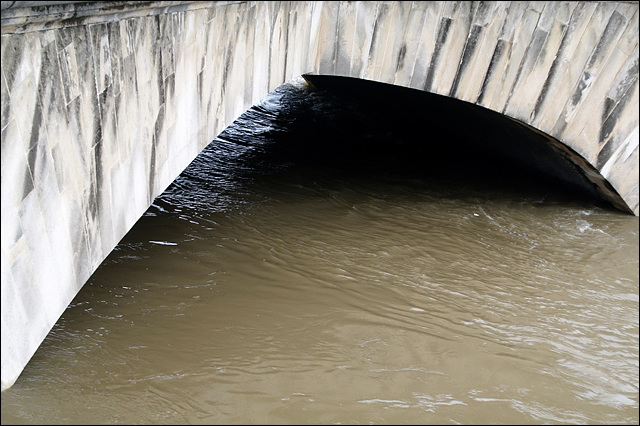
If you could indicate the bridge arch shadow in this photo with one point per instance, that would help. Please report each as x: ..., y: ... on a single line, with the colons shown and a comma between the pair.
x: 445, y: 136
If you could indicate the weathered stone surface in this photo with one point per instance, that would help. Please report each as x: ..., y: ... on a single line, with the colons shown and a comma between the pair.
x: 105, y: 103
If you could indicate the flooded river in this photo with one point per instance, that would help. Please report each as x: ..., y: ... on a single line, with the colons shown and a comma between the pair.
x: 303, y: 270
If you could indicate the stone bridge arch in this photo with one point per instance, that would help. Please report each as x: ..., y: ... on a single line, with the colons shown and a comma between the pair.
x: 557, y: 67
x: 105, y: 103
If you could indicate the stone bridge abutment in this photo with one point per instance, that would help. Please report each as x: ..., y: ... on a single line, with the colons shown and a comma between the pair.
x: 105, y: 103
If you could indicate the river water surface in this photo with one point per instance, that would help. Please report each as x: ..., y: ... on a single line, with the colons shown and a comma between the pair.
x: 326, y: 285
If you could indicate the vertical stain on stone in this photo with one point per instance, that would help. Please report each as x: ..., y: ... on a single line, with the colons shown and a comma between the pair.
x: 170, y: 88
x: 199, y: 83
x: 113, y: 34
x: 225, y: 71
x: 625, y: 78
x: 609, y: 104
x: 401, y: 55
x: 608, y: 125
x: 343, y: 57
x: 99, y: 179
x: 58, y: 166
x: 483, y: 9
x: 286, y: 47
x: 342, y: 63
x: 11, y: 56
x: 28, y: 185
x: 610, y: 146
x: 160, y: 81
x: 105, y: 52
x: 443, y: 32
x: 117, y: 98
x: 469, y: 48
x: 498, y: 51
x: 69, y: 73
x: 152, y: 172
x: 228, y: 51
x: 63, y: 37
x: 605, y: 154
x: 270, y: 52
x: 612, y: 112
x: 528, y: 61
x: 79, y: 244
x: 374, y: 36
x: 97, y: 121
x: 157, y: 129
x: 159, y: 124
x: 551, y: 75
x: 36, y: 124
x: 585, y: 81
x: 32, y: 154
x: 609, y: 36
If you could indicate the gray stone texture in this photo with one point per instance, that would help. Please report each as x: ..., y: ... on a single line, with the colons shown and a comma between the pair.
x: 105, y: 103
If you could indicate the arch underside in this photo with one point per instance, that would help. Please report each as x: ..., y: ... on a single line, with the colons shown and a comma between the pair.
x: 477, y: 132
x: 568, y: 69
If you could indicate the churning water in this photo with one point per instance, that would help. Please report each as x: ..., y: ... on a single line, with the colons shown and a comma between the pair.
x: 311, y: 266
